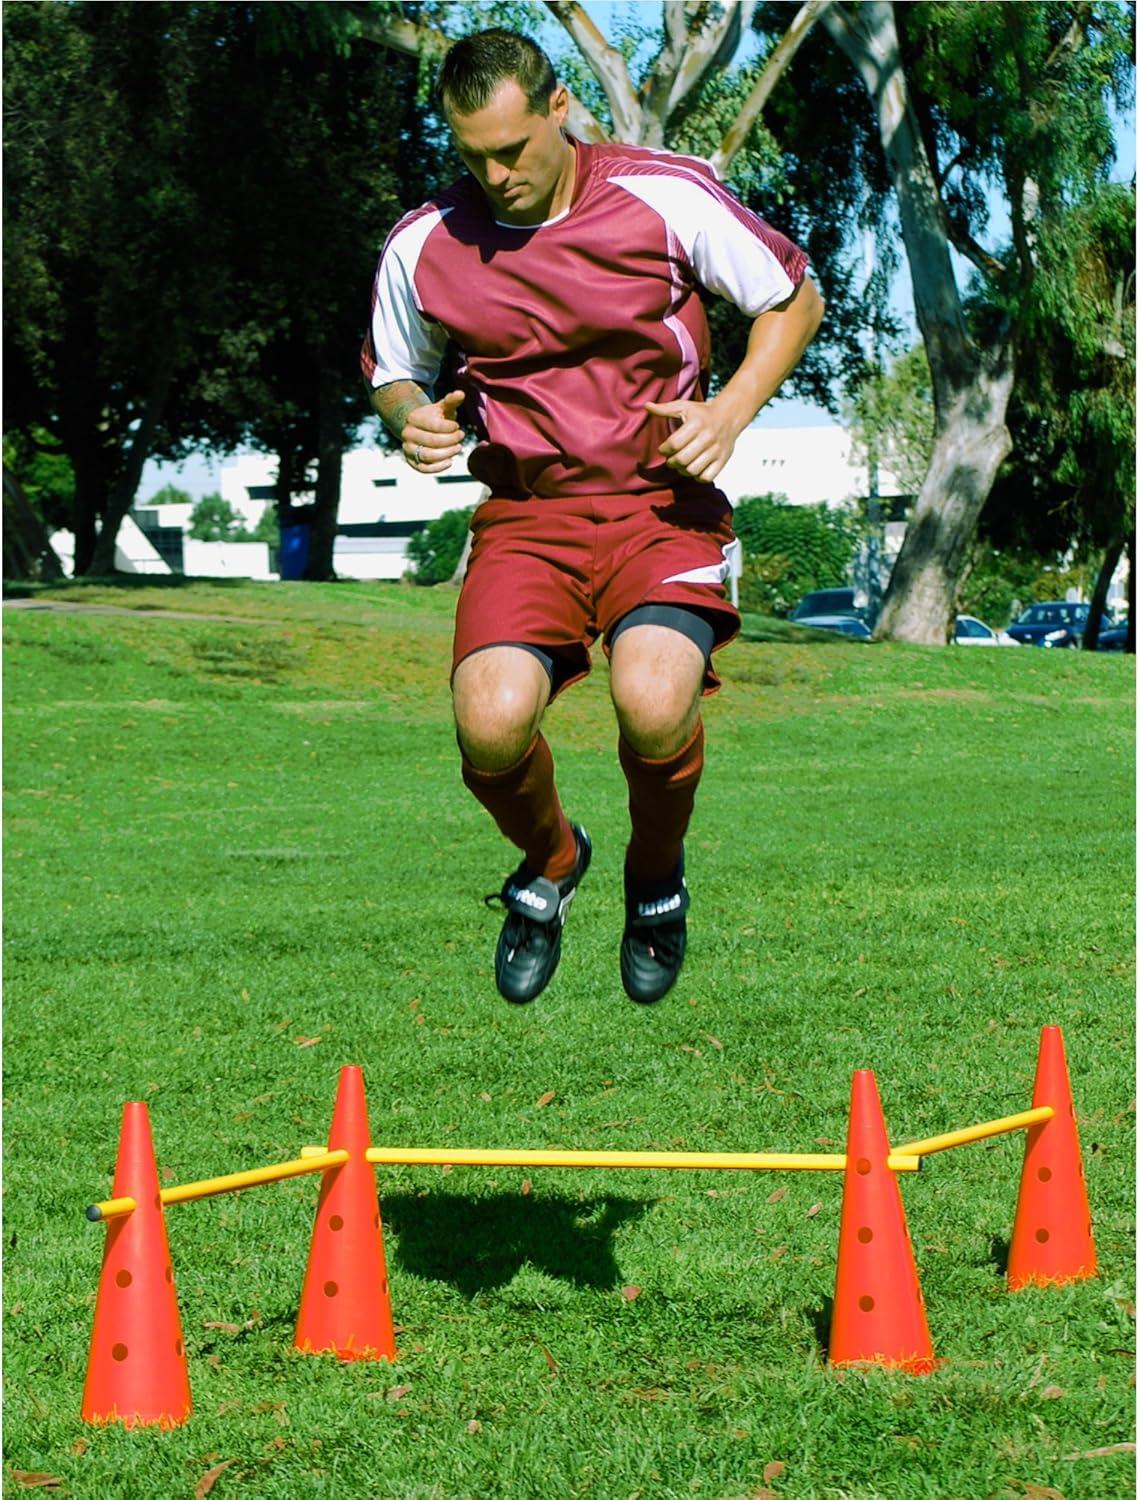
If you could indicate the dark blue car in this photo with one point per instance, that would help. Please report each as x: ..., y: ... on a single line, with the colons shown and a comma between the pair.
x: 1054, y: 624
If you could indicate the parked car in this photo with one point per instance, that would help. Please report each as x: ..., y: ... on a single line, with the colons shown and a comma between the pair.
x: 969, y: 631
x: 827, y: 602
x: 1114, y: 638
x: 1054, y: 624
x: 844, y: 624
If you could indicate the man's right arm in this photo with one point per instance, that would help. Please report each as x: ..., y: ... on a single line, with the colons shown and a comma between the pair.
x: 426, y: 429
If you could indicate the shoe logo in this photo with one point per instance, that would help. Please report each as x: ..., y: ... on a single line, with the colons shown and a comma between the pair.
x: 658, y: 908
x: 526, y: 897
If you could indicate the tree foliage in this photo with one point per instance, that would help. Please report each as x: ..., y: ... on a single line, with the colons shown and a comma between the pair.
x: 790, y: 549
x: 195, y: 197
x: 434, y: 552
x: 329, y: 142
x: 891, y: 418
x: 107, y: 251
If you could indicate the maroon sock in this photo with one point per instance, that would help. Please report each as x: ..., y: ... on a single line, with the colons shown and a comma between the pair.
x: 523, y: 801
x: 661, y: 795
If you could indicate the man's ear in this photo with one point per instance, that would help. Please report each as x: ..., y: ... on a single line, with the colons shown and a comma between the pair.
x: 559, y: 103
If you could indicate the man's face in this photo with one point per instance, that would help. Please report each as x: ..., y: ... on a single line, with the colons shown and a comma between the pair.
x: 518, y: 158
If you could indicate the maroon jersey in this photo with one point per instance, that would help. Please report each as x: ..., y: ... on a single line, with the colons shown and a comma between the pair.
x: 565, y: 329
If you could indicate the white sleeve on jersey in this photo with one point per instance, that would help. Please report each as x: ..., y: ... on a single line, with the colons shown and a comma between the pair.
x: 407, y: 345
x: 726, y: 244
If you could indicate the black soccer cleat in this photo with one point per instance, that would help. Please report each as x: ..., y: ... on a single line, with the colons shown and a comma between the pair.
x: 530, y: 943
x: 655, y: 936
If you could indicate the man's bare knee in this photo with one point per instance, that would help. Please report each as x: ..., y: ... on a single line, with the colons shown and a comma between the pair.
x: 499, y: 697
x: 656, y: 679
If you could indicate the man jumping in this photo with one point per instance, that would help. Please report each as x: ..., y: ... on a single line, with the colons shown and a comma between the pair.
x: 568, y: 279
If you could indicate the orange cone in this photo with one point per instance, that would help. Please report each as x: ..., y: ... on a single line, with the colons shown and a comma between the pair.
x: 1052, y: 1236
x: 345, y: 1305
x: 879, y: 1313
x: 136, y: 1370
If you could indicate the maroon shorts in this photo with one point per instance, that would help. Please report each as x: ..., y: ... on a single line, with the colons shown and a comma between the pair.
x: 559, y: 573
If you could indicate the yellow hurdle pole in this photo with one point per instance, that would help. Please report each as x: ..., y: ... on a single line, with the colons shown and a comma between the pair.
x: 187, y: 1191
x: 755, y: 1161
x: 982, y: 1132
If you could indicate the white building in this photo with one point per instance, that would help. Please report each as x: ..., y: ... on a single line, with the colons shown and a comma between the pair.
x: 383, y: 502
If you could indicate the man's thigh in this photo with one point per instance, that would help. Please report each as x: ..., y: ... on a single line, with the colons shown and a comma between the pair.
x: 529, y: 583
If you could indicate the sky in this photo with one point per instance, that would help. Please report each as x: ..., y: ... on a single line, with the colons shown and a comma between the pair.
x: 200, y: 475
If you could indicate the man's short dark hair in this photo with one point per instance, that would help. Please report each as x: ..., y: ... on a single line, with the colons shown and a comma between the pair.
x: 476, y: 65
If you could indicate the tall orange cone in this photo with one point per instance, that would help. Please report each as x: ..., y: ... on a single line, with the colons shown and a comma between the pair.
x: 879, y: 1312
x: 345, y: 1305
x: 136, y: 1369
x: 1052, y: 1236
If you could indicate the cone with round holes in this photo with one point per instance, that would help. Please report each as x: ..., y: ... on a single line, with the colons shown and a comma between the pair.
x: 136, y: 1368
x: 879, y: 1313
x: 345, y: 1306
x: 1052, y: 1235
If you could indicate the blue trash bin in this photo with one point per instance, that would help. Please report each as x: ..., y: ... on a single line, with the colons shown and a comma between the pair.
x: 294, y: 549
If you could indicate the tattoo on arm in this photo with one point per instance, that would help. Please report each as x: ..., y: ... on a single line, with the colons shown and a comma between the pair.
x: 395, y: 402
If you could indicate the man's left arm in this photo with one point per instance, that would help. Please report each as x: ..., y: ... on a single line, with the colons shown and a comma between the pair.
x: 706, y: 433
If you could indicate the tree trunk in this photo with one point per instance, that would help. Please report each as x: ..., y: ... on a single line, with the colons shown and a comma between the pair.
x: 1111, y: 556
x: 90, y: 464
x: 971, y: 392
x: 124, y: 487
x: 330, y: 456
x: 970, y: 443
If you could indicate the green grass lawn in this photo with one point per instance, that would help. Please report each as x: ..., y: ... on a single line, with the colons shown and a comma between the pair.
x: 239, y: 855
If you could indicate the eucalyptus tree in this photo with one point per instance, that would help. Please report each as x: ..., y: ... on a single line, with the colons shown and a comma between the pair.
x: 976, y: 103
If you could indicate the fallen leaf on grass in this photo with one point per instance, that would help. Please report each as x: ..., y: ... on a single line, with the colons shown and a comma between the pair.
x: 1098, y: 1452
x: 780, y: 1192
x: 630, y: 1293
x: 211, y: 1477
x: 32, y: 1481
x: 773, y: 1470
x: 547, y: 1098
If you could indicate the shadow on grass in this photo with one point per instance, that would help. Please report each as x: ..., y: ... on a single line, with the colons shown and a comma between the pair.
x: 28, y: 588
x: 998, y: 1253
x: 479, y: 1244
x: 820, y: 1320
